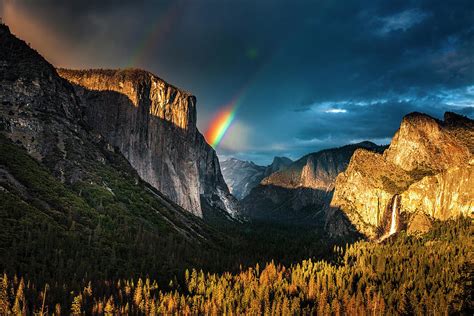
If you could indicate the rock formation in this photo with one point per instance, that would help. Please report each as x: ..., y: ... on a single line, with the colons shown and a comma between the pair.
x: 428, y: 164
x: 444, y: 195
x: 41, y: 112
x: 316, y: 170
x: 243, y: 176
x: 154, y: 125
x: 150, y: 122
x: 67, y: 193
x: 424, y: 143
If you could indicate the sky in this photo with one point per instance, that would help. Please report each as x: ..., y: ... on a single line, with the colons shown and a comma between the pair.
x: 307, y: 75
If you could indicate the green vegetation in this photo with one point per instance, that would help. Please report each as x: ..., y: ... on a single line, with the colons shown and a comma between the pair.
x: 407, y: 275
x: 108, y: 225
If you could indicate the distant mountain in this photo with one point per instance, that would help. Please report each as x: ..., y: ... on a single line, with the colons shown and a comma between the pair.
x: 426, y: 173
x: 303, y: 188
x: 278, y: 164
x: 242, y: 176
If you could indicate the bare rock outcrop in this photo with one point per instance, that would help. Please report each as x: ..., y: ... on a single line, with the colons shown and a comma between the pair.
x: 447, y: 194
x: 420, y: 223
x: 316, y: 170
x: 424, y: 143
x: 428, y: 164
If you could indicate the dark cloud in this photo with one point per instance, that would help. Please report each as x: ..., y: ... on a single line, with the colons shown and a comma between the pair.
x: 367, y: 63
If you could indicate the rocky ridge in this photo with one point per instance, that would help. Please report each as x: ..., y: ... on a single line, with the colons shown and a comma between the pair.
x: 428, y: 164
x: 316, y: 170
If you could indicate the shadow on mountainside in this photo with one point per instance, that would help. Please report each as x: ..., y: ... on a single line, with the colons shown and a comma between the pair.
x: 305, y: 207
x: 295, y: 225
x: 274, y: 203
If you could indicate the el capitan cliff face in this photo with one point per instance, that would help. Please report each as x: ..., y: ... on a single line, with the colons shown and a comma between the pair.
x: 428, y: 164
x: 154, y: 126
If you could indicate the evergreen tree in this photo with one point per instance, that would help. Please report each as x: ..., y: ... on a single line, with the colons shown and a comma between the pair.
x: 4, y: 297
x: 19, y: 307
x: 57, y: 309
x: 138, y: 295
x: 76, y: 307
x: 110, y: 306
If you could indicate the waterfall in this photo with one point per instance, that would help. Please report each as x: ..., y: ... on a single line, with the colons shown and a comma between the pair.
x: 394, y: 218
x: 393, y: 224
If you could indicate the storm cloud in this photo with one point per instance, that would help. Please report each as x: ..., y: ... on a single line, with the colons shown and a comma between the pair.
x: 309, y: 74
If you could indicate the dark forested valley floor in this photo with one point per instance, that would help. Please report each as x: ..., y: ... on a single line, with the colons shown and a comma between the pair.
x: 405, y: 275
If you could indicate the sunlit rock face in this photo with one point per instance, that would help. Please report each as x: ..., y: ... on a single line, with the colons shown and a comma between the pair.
x: 444, y: 195
x: 424, y: 143
x: 428, y: 163
x: 364, y: 190
x: 154, y: 125
x: 144, y: 90
x: 419, y: 224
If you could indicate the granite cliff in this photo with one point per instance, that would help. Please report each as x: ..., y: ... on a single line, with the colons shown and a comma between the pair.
x: 41, y: 114
x: 73, y: 197
x: 153, y: 124
x: 428, y: 169
x: 243, y: 176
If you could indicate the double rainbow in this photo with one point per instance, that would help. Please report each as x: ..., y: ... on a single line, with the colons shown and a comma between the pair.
x: 155, y: 33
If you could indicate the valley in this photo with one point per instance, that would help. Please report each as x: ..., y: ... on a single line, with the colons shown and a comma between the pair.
x: 113, y: 202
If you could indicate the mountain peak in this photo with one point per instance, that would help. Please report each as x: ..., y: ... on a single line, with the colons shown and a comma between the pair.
x: 242, y: 176
x: 316, y: 170
x: 366, y: 144
x: 278, y: 164
x: 19, y: 60
x: 454, y: 119
x: 281, y: 159
x: 423, y: 142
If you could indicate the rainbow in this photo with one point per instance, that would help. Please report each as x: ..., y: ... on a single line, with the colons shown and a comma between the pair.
x: 156, y: 31
x: 221, y: 122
